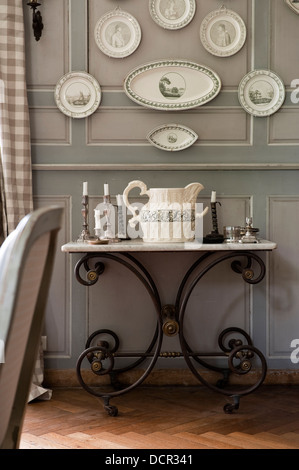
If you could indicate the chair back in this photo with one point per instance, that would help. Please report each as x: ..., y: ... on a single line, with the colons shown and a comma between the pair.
x: 26, y: 264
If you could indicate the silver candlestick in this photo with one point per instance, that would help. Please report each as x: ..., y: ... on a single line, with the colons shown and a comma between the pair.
x: 85, y: 235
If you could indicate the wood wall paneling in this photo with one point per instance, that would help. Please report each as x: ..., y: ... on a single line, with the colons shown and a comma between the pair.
x: 111, y: 146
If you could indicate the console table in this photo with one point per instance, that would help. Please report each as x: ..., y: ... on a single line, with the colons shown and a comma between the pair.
x: 240, y: 354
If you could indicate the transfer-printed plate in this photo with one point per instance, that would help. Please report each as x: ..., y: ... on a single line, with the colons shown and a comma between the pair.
x: 294, y: 5
x: 172, y: 85
x: 223, y: 32
x: 261, y: 92
x: 117, y: 33
x: 172, y: 137
x: 77, y: 94
x: 172, y: 14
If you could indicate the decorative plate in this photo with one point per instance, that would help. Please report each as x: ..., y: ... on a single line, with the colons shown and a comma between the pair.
x: 223, y: 32
x: 172, y: 137
x: 172, y: 85
x: 261, y: 92
x: 77, y: 94
x: 294, y: 5
x: 117, y: 33
x: 172, y: 14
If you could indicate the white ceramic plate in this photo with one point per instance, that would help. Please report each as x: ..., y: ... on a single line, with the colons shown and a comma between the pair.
x: 261, y: 92
x: 294, y: 5
x: 172, y: 137
x: 172, y: 85
x: 117, y: 33
x: 223, y: 32
x: 77, y: 94
x: 172, y: 14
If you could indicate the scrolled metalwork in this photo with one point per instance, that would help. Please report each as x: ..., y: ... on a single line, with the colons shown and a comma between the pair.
x: 92, y: 274
x: 233, y: 342
x: 99, y: 333
x: 97, y: 354
x: 236, y: 349
x: 247, y: 271
x: 240, y: 357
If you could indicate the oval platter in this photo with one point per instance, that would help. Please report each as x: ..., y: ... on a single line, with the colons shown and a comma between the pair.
x: 172, y: 137
x: 172, y: 14
x: 172, y: 85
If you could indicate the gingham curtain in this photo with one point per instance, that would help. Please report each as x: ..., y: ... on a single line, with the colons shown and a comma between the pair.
x: 15, y: 148
x: 15, y: 168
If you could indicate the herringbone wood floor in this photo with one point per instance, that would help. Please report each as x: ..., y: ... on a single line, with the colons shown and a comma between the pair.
x: 165, y: 418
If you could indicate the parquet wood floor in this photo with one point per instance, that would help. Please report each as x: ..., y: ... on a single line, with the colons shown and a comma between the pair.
x: 165, y: 418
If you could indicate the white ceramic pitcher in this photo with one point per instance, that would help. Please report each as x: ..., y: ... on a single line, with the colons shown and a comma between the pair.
x: 169, y: 215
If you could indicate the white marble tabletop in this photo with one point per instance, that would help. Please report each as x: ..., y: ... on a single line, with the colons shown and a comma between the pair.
x: 139, y: 246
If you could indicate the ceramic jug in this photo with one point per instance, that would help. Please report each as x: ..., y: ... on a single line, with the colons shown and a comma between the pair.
x: 169, y: 215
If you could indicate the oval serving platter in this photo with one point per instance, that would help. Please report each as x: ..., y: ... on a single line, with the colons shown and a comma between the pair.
x: 172, y: 85
x: 172, y: 137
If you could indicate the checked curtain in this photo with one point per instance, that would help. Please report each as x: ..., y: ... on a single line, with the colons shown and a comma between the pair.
x: 15, y: 147
x: 15, y: 170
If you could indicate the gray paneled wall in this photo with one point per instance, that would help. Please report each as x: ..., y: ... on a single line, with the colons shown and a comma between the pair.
x: 252, y: 162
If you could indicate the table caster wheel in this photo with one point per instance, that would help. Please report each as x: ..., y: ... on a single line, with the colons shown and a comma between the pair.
x: 111, y: 410
x: 229, y: 408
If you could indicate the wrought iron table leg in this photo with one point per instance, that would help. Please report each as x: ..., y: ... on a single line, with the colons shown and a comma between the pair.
x: 97, y: 354
x: 237, y: 351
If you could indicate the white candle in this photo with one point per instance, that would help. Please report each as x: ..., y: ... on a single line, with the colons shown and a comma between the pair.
x: 213, y: 196
x: 106, y: 189
x: 85, y: 188
x: 119, y: 199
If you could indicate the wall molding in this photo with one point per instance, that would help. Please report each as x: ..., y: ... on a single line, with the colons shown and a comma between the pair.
x: 162, y: 166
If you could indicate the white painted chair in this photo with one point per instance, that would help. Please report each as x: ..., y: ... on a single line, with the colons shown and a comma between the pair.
x: 26, y: 263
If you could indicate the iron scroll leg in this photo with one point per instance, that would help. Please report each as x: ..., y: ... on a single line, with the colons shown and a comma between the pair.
x: 239, y: 356
x: 102, y: 353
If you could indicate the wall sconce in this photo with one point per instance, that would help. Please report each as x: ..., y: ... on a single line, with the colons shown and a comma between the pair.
x: 37, y: 21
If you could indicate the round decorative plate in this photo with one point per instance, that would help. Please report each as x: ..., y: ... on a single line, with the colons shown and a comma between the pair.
x: 223, y: 32
x: 117, y: 33
x: 77, y: 94
x: 172, y: 14
x: 261, y: 92
x: 294, y: 5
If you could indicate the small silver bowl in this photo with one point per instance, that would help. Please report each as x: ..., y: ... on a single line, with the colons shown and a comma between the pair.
x: 232, y: 234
